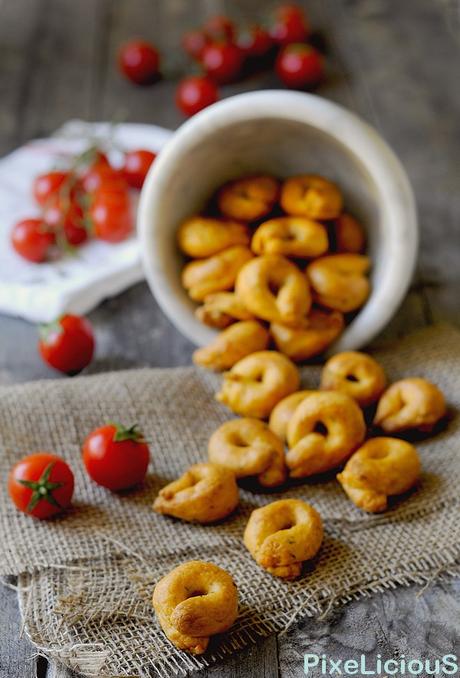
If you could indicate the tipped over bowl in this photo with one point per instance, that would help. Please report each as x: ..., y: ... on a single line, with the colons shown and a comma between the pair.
x: 283, y: 134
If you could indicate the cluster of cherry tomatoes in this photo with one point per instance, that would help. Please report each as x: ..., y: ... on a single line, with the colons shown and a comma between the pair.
x: 42, y: 484
x: 225, y: 53
x: 114, y: 456
x: 90, y: 200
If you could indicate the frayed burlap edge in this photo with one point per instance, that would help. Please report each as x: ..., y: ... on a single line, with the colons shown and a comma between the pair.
x: 90, y: 660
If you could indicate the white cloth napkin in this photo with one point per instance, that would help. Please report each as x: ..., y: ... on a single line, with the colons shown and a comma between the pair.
x: 78, y: 282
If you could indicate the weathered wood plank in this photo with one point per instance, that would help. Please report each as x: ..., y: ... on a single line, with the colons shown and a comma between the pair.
x: 414, y: 103
x: 259, y: 661
x: 66, y: 68
x: 17, y: 654
x: 19, y: 26
x: 406, y: 622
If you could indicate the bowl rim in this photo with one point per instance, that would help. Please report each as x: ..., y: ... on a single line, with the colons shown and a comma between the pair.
x: 361, y: 139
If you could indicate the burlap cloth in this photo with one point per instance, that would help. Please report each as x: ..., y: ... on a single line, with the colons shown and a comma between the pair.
x: 85, y: 580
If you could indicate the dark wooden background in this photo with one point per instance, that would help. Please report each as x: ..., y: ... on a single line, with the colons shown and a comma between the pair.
x: 396, y: 63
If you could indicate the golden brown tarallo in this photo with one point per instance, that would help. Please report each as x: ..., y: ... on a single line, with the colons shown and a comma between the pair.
x: 193, y: 602
x: 249, y: 449
x: 203, y: 494
x: 325, y: 430
x: 381, y: 468
x: 282, y: 535
x: 257, y: 383
x: 410, y: 404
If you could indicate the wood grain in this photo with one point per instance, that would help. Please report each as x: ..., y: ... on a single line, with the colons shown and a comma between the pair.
x: 17, y: 654
x: 394, y: 63
x: 415, y: 623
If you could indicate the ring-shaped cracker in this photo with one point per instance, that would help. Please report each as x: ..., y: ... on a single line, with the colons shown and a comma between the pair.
x: 318, y: 331
x: 249, y: 448
x: 348, y: 234
x: 411, y: 403
x: 203, y: 494
x: 248, y: 198
x: 221, y: 309
x: 283, y: 412
x: 215, y: 274
x: 257, y: 383
x: 200, y: 237
x: 282, y: 535
x: 194, y: 601
x: 311, y: 196
x: 274, y: 289
x: 291, y: 237
x: 232, y: 344
x: 356, y: 374
x: 381, y: 468
x: 339, y: 281
x: 325, y: 430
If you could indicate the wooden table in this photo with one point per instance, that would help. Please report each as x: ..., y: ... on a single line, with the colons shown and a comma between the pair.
x: 396, y: 63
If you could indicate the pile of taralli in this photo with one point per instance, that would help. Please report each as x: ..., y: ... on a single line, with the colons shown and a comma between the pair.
x: 345, y: 424
x: 322, y: 430
x: 273, y: 260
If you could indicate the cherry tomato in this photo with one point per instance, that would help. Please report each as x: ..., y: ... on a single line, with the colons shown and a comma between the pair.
x: 194, y: 42
x: 32, y: 239
x: 222, y: 61
x: 300, y: 66
x: 116, y: 457
x: 137, y: 164
x: 67, y: 344
x: 219, y: 28
x: 290, y: 25
x: 195, y: 93
x: 46, y: 186
x: 255, y: 42
x: 102, y: 174
x: 41, y: 485
x: 111, y: 215
x: 139, y: 61
x: 67, y: 216
x: 289, y: 10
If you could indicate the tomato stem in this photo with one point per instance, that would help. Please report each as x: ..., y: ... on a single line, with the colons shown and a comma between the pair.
x: 124, y: 433
x: 42, y: 489
x: 46, y: 329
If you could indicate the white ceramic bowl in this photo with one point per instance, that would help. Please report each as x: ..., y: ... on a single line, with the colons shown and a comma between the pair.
x: 280, y: 133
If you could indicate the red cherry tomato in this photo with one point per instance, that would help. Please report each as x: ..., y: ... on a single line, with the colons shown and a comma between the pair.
x: 300, y: 66
x: 67, y: 344
x: 116, y: 457
x: 219, y: 28
x: 255, y: 42
x: 290, y: 25
x: 195, y: 93
x: 222, y: 61
x: 67, y: 216
x: 194, y: 42
x: 46, y: 186
x: 41, y: 485
x: 289, y: 10
x: 102, y: 174
x: 111, y: 215
x: 32, y: 239
x: 139, y: 61
x: 137, y: 164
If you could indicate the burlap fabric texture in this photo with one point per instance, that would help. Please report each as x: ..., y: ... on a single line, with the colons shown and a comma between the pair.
x: 86, y: 579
